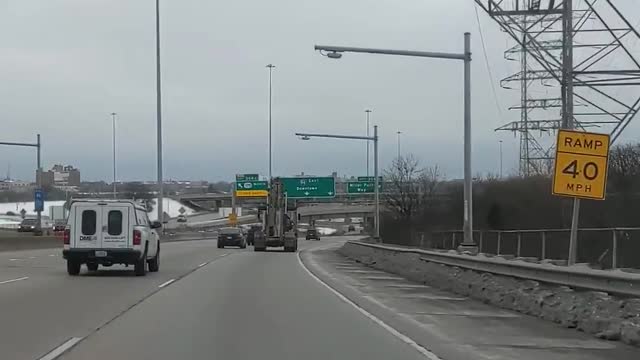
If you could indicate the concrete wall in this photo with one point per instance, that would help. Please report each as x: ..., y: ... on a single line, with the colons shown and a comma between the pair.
x: 596, y: 313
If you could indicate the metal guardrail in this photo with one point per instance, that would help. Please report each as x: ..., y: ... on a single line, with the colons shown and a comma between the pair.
x: 612, y: 248
x: 614, y: 282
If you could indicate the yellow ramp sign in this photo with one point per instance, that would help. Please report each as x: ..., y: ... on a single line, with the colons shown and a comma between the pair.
x: 233, y: 219
x: 581, y: 164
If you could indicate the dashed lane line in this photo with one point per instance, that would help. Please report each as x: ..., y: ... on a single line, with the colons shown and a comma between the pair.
x: 13, y: 280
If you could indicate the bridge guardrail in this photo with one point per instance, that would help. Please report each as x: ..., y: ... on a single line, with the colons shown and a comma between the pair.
x: 611, y: 281
x: 611, y: 248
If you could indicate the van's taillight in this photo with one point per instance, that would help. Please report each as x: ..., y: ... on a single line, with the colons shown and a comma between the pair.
x: 137, y: 237
x: 66, y: 237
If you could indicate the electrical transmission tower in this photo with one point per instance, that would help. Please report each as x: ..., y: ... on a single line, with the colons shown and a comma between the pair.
x: 603, y: 71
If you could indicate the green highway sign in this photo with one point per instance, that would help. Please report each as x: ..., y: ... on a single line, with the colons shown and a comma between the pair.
x: 362, y: 187
x: 252, y: 188
x: 309, y: 187
x: 369, y: 178
x: 247, y: 177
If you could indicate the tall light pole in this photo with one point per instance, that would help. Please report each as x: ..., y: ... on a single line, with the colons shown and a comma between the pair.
x: 376, y: 185
x: 368, y: 112
x: 271, y: 67
x: 113, y: 117
x: 500, y: 159
x: 159, y: 116
x: 399, y: 132
x: 335, y: 52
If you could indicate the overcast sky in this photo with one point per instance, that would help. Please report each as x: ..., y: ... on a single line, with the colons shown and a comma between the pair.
x: 65, y: 65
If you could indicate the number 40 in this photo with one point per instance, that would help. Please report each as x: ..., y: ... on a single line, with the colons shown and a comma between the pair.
x: 589, y: 171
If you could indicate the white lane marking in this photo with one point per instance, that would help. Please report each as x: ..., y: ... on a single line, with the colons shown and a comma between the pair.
x: 203, y: 264
x: 52, y: 254
x: 13, y: 280
x: 32, y: 257
x: 55, y: 353
x: 166, y: 283
x: 382, y: 278
x: 14, y: 259
x: 407, y: 340
x: 223, y: 255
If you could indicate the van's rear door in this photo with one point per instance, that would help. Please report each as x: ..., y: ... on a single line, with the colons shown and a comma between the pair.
x: 87, y: 232
x: 115, y: 226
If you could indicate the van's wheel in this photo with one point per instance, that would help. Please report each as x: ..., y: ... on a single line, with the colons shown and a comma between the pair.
x: 73, y: 267
x: 140, y: 267
x: 92, y: 267
x: 154, y: 264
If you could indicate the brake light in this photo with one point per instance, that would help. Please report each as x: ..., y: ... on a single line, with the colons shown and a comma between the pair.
x: 137, y: 237
x: 66, y: 238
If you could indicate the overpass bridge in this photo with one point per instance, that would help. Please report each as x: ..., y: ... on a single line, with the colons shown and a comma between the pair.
x: 312, y: 212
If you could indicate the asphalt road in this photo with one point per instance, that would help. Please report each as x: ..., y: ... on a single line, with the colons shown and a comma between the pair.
x: 209, y: 303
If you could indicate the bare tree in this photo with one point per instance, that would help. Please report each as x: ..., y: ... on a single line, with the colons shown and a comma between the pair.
x: 409, y: 187
x: 624, y: 167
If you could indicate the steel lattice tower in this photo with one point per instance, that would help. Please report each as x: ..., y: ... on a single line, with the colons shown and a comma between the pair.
x: 605, y: 73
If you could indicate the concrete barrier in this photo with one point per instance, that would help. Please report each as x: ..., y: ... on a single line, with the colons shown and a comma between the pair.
x: 593, y: 312
x: 29, y: 242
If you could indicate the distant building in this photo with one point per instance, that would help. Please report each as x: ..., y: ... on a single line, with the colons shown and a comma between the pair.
x: 59, y: 176
x: 14, y: 185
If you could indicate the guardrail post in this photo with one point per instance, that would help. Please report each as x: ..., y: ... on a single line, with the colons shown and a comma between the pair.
x: 519, y: 244
x: 453, y: 240
x: 614, y: 256
x: 544, y: 246
x: 499, y: 241
x: 480, y: 243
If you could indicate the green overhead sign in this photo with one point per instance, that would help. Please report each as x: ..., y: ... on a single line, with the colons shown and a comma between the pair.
x: 247, y: 177
x: 309, y: 187
x: 249, y: 188
x: 362, y: 187
x: 369, y: 178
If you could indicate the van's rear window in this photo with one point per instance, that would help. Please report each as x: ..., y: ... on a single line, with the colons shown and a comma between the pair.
x: 88, y: 222
x: 114, y: 227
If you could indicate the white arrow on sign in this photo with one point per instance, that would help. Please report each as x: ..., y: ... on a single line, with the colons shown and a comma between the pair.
x: 330, y: 193
x: 306, y: 193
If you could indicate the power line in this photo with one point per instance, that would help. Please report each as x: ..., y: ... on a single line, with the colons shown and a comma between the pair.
x: 486, y: 60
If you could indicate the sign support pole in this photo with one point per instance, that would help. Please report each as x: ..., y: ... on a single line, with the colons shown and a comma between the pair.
x: 567, y: 120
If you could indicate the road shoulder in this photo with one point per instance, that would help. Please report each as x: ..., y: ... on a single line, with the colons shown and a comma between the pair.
x: 449, y: 325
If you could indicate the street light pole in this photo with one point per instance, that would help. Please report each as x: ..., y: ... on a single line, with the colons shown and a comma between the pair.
x: 335, y: 52
x: 39, y: 182
x: 271, y: 67
x: 376, y: 184
x: 38, y: 147
x: 368, y: 112
x: 113, y: 116
x: 159, y: 117
x: 375, y: 181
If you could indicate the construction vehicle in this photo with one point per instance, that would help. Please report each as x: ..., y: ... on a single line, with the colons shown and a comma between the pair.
x: 279, y: 222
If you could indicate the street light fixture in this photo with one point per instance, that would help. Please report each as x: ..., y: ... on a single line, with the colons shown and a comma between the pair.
x: 374, y: 138
x: 334, y: 52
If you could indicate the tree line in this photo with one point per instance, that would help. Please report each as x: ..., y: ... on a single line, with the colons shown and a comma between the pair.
x: 419, y: 199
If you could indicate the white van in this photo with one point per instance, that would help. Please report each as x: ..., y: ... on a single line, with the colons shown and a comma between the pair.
x: 107, y: 232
